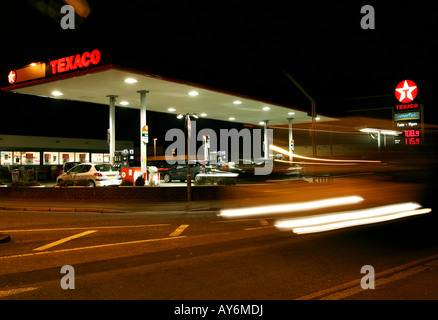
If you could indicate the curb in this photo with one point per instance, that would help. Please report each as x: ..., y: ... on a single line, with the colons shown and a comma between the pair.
x: 205, y: 209
x: 58, y: 209
x: 4, y: 238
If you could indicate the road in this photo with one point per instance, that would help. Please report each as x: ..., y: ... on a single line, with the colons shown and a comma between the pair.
x: 197, y: 255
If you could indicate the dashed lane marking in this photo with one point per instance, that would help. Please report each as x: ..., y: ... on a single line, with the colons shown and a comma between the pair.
x: 178, y: 230
x: 63, y: 240
x: 84, y: 228
x: 88, y: 247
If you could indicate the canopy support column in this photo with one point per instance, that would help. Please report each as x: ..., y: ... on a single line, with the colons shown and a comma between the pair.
x: 143, y: 139
x: 112, y: 127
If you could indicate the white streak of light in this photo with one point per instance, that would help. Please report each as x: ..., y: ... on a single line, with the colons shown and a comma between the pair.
x: 310, y: 205
x: 358, y: 222
x: 278, y: 149
x: 317, y: 163
x: 345, y: 216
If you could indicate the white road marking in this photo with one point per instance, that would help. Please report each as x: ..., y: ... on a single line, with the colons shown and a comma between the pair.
x: 378, y: 282
x: 353, y: 287
x: 6, y: 293
x: 85, y: 228
x: 52, y: 244
x: 178, y: 230
x: 85, y: 248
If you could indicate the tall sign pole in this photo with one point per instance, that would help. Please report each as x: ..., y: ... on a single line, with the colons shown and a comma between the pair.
x: 291, y: 141
x: 266, y: 141
x: 189, y: 177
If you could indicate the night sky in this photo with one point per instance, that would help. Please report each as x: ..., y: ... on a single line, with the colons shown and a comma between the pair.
x: 240, y: 46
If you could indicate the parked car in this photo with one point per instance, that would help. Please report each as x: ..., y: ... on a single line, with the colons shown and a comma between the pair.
x: 179, y: 172
x: 98, y: 174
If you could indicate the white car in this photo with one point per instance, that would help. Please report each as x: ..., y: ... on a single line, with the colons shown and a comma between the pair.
x: 97, y: 174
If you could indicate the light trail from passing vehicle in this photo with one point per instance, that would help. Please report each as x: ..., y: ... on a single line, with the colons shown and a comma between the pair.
x: 290, y: 207
x: 285, y: 152
x: 338, y: 220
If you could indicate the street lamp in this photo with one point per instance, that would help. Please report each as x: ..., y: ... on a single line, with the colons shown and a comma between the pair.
x: 312, y: 114
x: 188, y: 133
x: 312, y: 111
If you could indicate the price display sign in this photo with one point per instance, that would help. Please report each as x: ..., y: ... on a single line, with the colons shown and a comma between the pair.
x: 407, y: 114
x: 412, y: 137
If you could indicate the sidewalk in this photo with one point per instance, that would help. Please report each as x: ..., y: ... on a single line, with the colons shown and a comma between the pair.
x: 374, y: 192
x: 109, y: 207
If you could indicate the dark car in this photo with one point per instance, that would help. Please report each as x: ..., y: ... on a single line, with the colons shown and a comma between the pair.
x: 179, y: 172
x: 161, y: 166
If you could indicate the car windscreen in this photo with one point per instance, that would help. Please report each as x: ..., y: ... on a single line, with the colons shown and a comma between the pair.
x: 104, y: 167
x: 69, y: 165
x: 77, y: 169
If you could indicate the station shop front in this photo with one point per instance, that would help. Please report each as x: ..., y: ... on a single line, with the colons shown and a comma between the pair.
x: 51, y: 158
x: 44, y: 165
x: 43, y: 159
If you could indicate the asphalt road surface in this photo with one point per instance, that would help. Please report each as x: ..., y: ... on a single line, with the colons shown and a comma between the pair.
x: 201, y: 256
x: 196, y: 255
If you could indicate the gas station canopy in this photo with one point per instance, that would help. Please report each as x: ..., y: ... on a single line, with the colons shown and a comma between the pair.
x: 82, y: 77
x: 94, y: 85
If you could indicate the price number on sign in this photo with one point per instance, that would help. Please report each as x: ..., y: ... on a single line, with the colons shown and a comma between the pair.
x: 412, y: 137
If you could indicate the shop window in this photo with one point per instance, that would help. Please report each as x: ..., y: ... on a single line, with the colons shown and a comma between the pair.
x: 6, y: 158
x: 30, y: 158
x: 17, y: 158
x: 82, y: 157
x: 67, y: 156
x: 97, y: 157
x: 51, y: 158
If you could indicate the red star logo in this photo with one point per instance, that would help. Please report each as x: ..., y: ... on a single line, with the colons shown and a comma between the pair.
x: 12, y: 77
x: 406, y: 91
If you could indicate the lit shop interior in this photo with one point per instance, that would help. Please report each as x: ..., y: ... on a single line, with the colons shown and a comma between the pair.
x: 44, y: 157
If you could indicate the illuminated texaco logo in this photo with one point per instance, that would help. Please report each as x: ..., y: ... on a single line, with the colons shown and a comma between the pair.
x: 406, y: 91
